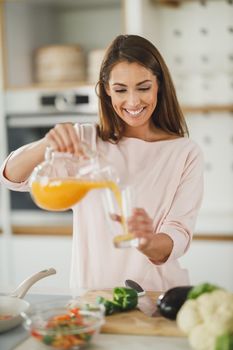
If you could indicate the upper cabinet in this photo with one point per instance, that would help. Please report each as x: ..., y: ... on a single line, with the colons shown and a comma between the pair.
x: 196, y: 40
x: 33, y: 24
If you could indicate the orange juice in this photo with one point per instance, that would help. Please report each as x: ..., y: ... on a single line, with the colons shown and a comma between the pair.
x: 62, y: 194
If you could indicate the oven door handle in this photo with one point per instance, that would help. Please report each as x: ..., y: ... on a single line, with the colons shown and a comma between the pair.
x: 28, y: 121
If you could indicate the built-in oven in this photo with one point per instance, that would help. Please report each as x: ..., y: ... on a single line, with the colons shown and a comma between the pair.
x: 30, y: 114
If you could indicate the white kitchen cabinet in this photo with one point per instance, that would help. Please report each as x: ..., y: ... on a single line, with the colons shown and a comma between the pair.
x: 186, y: 35
x: 210, y: 261
x: 28, y: 255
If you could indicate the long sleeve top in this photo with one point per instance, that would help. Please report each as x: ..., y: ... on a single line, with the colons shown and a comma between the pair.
x: 168, y: 179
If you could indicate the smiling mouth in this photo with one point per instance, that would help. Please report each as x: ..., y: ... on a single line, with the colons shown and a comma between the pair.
x: 134, y: 113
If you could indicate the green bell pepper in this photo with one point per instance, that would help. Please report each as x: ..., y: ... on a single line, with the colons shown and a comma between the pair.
x: 124, y: 299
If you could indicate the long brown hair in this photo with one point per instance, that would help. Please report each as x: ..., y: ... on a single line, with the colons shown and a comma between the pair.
x: 167, y: 114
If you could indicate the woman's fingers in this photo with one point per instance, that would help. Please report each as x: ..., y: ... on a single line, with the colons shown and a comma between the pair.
x: 54, y: 140
x: 140, y: 222
x: 73, y: 137
x: 63, y: 134
x: 63, y: 138
x: 50, y: 142
x: 116, y: 217
x: 141, y: 226
x: 140, y: 212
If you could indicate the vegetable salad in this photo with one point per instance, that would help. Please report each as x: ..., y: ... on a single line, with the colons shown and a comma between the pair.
x: 67, y: 330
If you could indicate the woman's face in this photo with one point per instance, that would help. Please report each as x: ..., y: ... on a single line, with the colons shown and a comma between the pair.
x: 133, y: 90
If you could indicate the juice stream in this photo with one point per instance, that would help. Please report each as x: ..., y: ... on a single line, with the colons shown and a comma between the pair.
x: 58, y: 195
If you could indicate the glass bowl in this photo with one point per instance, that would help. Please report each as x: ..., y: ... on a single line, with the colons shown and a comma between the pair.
x: 64, y: 324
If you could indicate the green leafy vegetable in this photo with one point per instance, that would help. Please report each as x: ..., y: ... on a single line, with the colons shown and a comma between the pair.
x: 196, y: 291
x: 224, y: 342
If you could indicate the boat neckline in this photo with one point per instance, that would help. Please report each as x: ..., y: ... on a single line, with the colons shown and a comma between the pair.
x: 125, y: 138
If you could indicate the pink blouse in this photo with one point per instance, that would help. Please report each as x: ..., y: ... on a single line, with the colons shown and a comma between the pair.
x: 168, y: 179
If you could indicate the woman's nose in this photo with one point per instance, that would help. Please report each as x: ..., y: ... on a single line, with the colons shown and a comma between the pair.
x: 133, y: 99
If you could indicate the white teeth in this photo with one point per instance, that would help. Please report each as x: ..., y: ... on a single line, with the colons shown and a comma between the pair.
x: 134, y: 112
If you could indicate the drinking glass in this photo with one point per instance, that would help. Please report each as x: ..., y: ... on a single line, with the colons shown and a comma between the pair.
x: 122, y: 205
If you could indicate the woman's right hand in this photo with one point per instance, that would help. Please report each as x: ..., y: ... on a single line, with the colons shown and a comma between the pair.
x: 63, y: 138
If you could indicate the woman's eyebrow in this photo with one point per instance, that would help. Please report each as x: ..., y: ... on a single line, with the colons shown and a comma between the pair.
x: 144, y: 81
x: 140, y: 83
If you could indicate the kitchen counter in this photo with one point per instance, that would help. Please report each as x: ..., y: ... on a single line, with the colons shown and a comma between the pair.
x: 10, y: 339
x: 17, y: 338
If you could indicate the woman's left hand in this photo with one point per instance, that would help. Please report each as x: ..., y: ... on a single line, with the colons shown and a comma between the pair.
x: 141, y: 226
x: 156, y: 246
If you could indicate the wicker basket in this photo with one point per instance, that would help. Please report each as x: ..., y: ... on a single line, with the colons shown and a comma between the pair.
x: 59, y: 63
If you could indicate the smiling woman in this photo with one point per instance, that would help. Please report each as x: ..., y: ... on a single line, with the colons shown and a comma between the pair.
x: 136, y: 80
x: 142, y: 132
x: 133, y: 91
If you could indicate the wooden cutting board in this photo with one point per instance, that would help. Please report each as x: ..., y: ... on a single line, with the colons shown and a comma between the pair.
x: 135, y: 321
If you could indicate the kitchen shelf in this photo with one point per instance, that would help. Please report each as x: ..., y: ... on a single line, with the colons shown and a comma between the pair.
x: 207, y: 109
x: 42, y: 230
x: 67, y: 231
x: 52, y: 86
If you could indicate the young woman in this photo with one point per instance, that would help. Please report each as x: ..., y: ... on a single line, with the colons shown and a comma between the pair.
x: 143, y: 132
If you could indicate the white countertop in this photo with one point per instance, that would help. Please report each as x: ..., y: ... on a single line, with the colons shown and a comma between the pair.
x: 17, y: 339
x: 124, y: 342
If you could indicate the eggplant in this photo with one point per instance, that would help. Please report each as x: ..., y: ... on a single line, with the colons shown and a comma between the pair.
x: 170, y: 302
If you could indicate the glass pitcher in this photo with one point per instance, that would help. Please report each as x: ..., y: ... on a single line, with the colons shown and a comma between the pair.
x: 63, y: 179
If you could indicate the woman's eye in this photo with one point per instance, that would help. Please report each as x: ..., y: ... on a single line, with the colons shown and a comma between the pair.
x: 140, y: 89
x: 144, y: 88
x: 120, y: 91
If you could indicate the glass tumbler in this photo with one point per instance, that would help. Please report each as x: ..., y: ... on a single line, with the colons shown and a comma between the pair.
x: 121, y: 206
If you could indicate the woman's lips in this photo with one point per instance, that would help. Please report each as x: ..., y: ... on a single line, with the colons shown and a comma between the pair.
x: 134, y: 112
